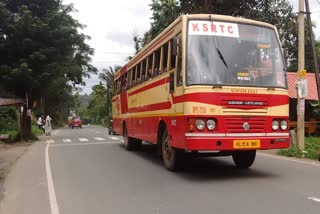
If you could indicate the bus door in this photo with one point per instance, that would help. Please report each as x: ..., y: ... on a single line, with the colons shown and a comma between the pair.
x: 176, y: 92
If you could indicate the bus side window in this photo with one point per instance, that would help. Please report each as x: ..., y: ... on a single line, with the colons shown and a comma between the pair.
x: 149, y: 66
x: 116, y: 89
x: 138, y: 69
x: 165, y: 58
x: 124, y: 86
x: 179, y: 61
x: 143, y: 69
x: 129, y: 79
x: 172, y: 57
x: 157, y: 62
x: 119, y: 86
x: 171, y: 83
x: 134, y: 76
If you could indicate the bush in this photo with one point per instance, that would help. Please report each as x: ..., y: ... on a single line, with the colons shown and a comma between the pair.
x: 35, y: 131
x: 8, y: 119
x: 292, y: 151
x: 14, y: 135
x: 312, y: 148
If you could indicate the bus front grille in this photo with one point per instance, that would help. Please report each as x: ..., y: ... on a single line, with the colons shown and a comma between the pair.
x: 235, y: 124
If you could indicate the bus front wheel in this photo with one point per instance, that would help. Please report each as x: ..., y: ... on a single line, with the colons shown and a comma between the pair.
x: 171, y: 156
x: 244, y: 159
x: 130, y: 143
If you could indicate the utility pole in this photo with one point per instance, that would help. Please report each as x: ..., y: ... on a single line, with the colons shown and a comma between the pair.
x: 301, y: 64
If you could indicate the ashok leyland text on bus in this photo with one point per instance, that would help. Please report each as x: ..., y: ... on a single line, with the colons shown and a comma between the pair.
x: 206, y: 83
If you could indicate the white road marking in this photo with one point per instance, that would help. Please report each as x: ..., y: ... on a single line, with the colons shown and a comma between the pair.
x: 314, y: 199
x: 52, y: 194
x: 114, y: 138
x: 83, y: 139
x: 66, y: 140
x: 99, y: 138
x: 79, y: 144
x: 313, y: 163
x: 49, y: 141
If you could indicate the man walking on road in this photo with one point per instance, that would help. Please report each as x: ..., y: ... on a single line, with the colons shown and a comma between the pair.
x: 48, y: 127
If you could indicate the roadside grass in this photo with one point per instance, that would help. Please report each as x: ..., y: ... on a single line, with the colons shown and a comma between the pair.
x: 35, y: 131
x: 312, y: 148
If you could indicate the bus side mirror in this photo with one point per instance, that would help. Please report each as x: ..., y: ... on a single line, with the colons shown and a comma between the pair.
x: 176, y: 49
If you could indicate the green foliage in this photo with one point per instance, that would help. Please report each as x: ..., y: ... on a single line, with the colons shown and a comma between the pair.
x: 292, y: 151
x: 312, y: 148
x: 312, y: 145
x: 14, y: 135
x: 8, y: 119
x: 98, y: 110
x: 42, y: 53
x: 35, y: 131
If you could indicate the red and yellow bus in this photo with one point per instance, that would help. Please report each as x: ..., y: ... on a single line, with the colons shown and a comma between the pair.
x: 208, y: 84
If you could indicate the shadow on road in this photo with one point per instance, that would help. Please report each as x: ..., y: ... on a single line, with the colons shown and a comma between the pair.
x: 205, y: 169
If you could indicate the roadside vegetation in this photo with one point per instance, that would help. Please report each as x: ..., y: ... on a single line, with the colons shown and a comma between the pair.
x: 312, y: 149
x: 44, y: 57
x: 97, y: 107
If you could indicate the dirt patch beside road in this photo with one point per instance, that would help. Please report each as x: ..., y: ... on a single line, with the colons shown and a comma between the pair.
x: 9, y: 154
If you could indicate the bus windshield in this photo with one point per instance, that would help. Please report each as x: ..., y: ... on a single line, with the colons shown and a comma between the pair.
x: 222, y: 53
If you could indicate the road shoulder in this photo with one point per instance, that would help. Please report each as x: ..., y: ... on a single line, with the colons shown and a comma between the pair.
x: 26, y: 183
x: 9, y: 154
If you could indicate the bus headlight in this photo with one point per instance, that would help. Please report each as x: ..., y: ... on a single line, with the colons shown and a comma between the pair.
x: 200, y: 124
x: 211, y: 124
x: 283, y: 125
x: 275, y: 125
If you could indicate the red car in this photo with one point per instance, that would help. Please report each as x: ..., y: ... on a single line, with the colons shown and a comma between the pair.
x: 76, y: 122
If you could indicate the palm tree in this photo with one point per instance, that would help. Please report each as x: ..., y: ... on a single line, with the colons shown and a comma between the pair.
x: 107, y: 76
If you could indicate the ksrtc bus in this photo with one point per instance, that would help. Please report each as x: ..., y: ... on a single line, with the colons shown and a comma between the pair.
x: 207, y: 85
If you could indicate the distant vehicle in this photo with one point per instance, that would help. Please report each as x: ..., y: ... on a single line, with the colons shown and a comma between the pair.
x: 69, y: 121
x: 110, y: 128
x: 76, y: 122
x: 214, y: 85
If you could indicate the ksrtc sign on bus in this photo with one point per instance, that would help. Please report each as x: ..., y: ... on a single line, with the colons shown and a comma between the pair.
x: 213, y: 28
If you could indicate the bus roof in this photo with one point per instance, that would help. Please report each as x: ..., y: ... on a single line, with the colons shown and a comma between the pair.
x: 168, y: 31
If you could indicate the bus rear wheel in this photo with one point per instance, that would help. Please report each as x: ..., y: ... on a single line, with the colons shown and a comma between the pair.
x: 244, y: 159
x: 171, y: 157
x: 130, y: 143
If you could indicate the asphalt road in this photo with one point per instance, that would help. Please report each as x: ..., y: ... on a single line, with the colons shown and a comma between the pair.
x: 92, y: 173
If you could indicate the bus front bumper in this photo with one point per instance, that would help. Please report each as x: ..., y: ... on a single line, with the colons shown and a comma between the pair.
x: 232, y: 143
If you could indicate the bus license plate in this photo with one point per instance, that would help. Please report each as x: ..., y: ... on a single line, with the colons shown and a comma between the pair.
x: 246, y: 144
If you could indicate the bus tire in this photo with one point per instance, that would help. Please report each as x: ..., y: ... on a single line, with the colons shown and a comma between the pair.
x: 130, y: 143
x: 244, y: 159
x: 171, y: 156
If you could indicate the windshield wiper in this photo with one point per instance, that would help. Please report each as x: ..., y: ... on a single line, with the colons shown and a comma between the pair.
x: 221, y: 57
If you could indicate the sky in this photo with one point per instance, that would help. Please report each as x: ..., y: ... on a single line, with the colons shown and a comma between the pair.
x: 112, y: 24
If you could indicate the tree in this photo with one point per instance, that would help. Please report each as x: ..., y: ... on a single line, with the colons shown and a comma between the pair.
x: 225, y: 7
x: 164, y: 12
x: 107, y: 77
x: 96, y: 111
x: 41, y: 50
